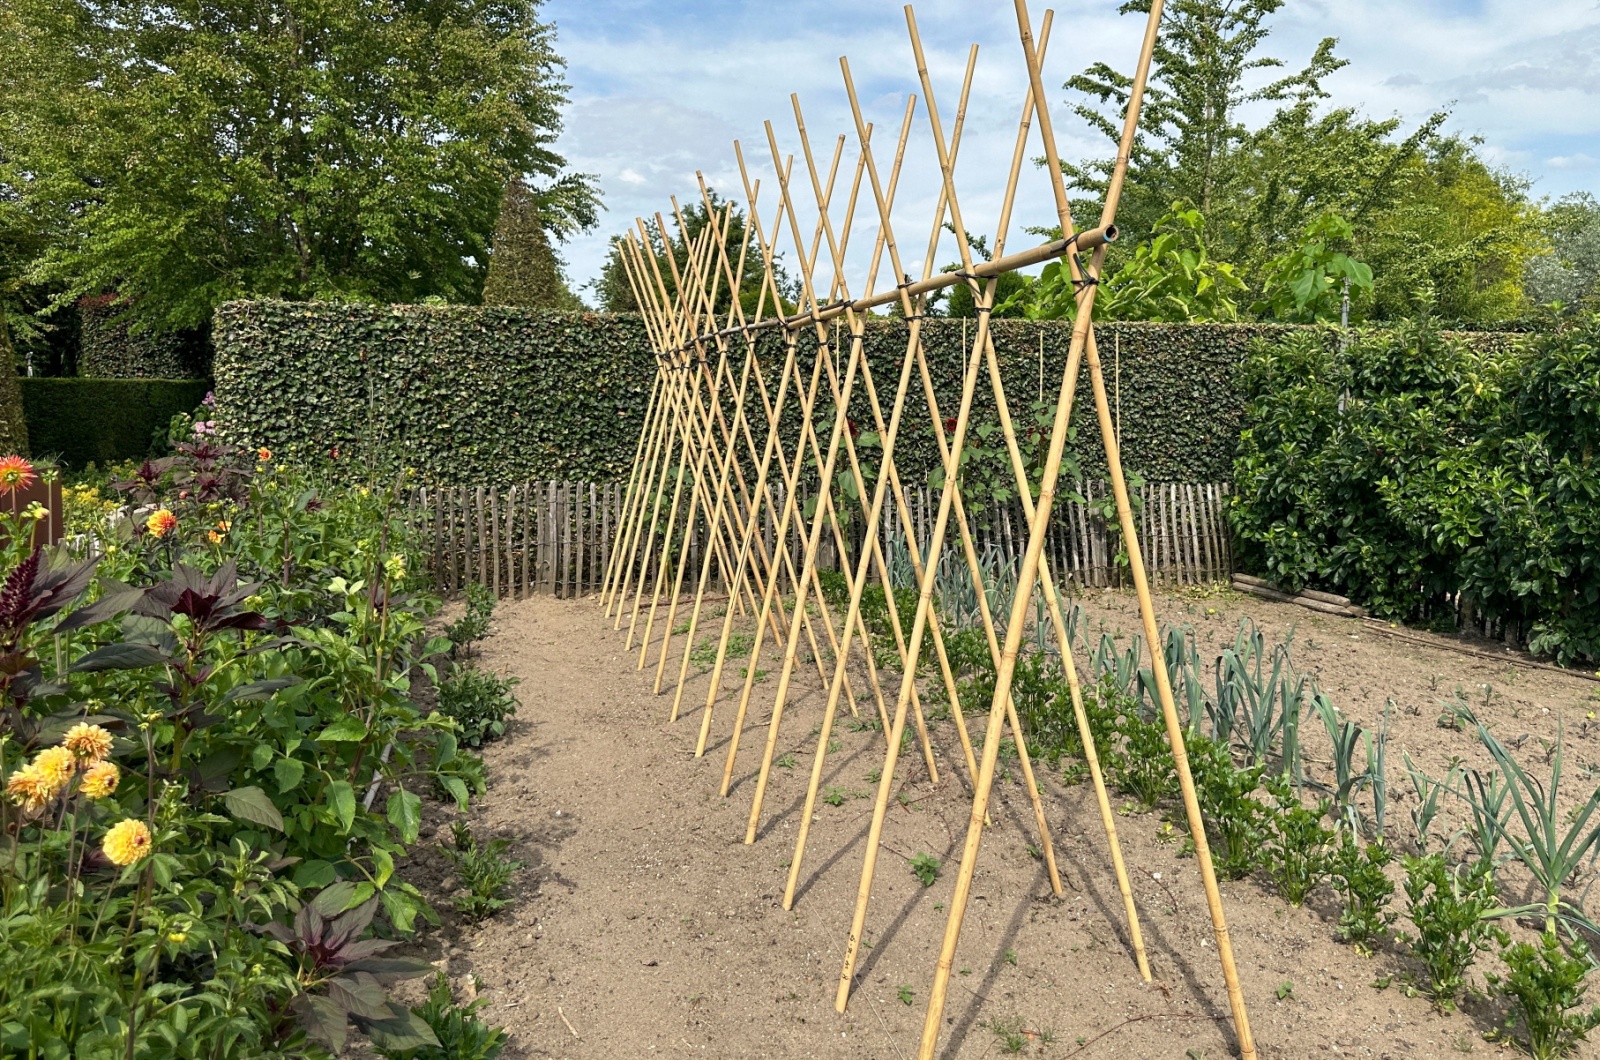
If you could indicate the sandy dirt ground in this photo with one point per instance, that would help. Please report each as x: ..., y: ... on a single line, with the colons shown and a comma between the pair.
x: 645, y: 926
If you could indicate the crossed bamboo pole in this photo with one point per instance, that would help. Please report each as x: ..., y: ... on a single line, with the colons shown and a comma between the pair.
x: 889, y: 477
x: 670, y: 443
x: 778, y: 618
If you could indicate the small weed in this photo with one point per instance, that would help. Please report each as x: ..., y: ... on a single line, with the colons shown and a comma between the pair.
x: 483, y: 871
x: 834, y: 745
x: 1013, y: 1039
x: 1381, y: 984
x: 905, y: 995
x: 473, y: 626
x: 784, y: 761
x: 1035, y: 853
x: 864, y: 724
x: 1011, y: 958
x: 834, y: 796
x: 925, y: 867
x: 1285, y: 990
x: 874, y: 776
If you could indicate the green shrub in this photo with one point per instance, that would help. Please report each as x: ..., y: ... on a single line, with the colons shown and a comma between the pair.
x: 1417, y: 469
x: 462, y: 1035
x: 479, y: 702
x: 1546, y: 988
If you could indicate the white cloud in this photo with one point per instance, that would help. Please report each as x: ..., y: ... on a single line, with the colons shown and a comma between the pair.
x: 660, y: 91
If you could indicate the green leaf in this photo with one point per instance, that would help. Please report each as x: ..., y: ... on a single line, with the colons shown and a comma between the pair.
x: 252, y: 804
x: 289, y: 772
x: 342, y: 801
x: 405, y: 813
x: 311, y: 875
x: 457, y: 789
x: 348, y: 729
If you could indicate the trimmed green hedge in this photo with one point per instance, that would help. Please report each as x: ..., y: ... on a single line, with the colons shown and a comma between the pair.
x: 480, y: 395
x: 108, y: 350
x: 462, y: 394
x: 486, y: 395
x: 100, y: 420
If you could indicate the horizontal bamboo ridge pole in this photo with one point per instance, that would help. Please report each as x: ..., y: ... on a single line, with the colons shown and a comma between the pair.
x: 1056, y: 248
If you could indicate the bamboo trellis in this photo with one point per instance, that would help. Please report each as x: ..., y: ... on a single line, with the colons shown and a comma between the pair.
x: 721, y: 500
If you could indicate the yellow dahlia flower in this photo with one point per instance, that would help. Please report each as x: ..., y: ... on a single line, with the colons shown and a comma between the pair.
x: 29, y: 787
x: 100, y: 780
x: 57, y: 765
x: 127, y: 842
x: 90, y: 743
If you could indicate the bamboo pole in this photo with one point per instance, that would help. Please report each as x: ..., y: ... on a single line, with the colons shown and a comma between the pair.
x: 1083, y: 344
x: 741, y: 424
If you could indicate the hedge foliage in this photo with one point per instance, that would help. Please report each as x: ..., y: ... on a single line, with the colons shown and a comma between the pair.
x: 488, y: 394
x: 1417, y: 465
x: 108, y: 350
x: 101, y: 420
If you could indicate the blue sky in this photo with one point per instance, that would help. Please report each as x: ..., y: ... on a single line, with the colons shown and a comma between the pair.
x: 662, y: 89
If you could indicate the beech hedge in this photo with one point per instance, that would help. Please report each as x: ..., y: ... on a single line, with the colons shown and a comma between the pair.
x: 485, y: 395
x: 489, y: 394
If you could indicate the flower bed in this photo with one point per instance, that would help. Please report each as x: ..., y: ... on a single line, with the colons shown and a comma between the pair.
x: 213, y: 764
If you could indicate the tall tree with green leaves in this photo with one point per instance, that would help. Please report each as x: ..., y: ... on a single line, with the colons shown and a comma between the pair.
x: 615, y: 293
x: 1189, y: 128
x: 523, y: 267
x: 1437, y: 225
x: 190, y: 152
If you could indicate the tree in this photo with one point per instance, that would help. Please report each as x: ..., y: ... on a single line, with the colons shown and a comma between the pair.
x: 1426, y: 213
x: 523, y: 267
x: 186, y: 153
x: 1568, y: 274
x: 1189, y: 129
x: 615, y: 291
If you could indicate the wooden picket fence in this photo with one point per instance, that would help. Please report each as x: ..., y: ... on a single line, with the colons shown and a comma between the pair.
x: 556, y: 537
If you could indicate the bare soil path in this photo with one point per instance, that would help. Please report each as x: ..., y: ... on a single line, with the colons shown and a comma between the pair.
x: 644, y: 926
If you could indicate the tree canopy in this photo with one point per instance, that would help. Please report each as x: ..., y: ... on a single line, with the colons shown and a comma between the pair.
x: 1420, y: 208
x: 615, y: 293
x: 181, y: 154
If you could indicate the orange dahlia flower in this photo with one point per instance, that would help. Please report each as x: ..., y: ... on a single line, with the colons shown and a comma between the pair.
x: 161, y: 523
x: 15, y: 474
